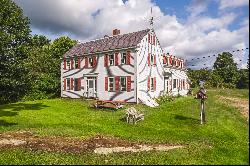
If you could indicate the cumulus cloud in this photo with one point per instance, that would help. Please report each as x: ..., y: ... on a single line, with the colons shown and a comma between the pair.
x: 84, y: 20
x: 224, y: 4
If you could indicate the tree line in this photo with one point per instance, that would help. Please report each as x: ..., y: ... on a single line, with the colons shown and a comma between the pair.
x: 29, y: 64
x: 224, y: 74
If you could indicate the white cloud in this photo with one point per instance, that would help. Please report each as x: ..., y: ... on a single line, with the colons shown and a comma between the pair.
x: 224, y: 4
x: 86, y: 19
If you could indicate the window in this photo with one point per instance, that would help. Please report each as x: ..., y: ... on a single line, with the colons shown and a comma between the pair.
x: 76, y: 63
x: 76, y: 87
x: 111, y: 60
x: 152, y: 84
x: 175, y: 84
x: 68, y: 84
x: 123, y: 81
x: 111, y: 84
x: 123, y: 58
x: 68, y: 64
x: 151, y: 59
x: 91, y: 62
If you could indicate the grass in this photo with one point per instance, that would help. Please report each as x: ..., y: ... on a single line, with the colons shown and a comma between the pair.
x: 222, y: 140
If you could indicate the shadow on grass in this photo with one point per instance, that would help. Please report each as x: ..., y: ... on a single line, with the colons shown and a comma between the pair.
x: 6, y: 124
x: 184, y: 118
x: 13, y: 109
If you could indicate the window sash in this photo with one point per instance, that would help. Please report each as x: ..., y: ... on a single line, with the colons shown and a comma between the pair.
x: 68, y: 64
x: 91, y: 62
x: 123, y: 58
x: 68, y: 84
x: 123, y: 83
x: 152, y: 84
x: 175, y: 83
x: 76, y: 63
x: 151, y: 59
x: 76, y: 84
x: 111, y: 83
x: 111, y: 60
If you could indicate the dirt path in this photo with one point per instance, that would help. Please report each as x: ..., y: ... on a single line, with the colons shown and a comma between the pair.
x: 98, y: 144
x: 241, y: 104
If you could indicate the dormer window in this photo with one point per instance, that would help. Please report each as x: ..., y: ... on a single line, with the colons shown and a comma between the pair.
x: 68, y: 64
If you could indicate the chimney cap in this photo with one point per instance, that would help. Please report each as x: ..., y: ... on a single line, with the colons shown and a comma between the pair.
x: 116, y: 32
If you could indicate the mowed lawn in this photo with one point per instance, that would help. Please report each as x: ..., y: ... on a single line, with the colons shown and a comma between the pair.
x: 224, y: 139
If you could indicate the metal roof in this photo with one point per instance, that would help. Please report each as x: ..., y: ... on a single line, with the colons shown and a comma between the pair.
x: 107, y: 44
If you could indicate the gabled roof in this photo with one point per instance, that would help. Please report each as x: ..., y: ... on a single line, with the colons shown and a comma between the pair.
x: 107, y: 43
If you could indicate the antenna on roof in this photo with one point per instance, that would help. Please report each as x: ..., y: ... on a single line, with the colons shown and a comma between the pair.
x: 151, y: 20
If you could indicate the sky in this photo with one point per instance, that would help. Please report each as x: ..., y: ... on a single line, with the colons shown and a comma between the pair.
x: 188, y: 29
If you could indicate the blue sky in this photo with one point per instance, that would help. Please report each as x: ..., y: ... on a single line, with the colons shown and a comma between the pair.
x: 185, y: 28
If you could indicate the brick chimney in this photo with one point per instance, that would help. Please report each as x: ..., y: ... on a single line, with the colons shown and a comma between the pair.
x: 116, y: 32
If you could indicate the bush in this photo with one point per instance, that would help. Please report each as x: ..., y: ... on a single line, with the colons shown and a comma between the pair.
x: 164, y: 98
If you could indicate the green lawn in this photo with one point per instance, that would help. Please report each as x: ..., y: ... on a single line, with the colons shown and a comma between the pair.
x: 224, y: 139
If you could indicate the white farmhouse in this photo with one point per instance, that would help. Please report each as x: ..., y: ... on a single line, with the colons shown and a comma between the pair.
x: 129, y: 67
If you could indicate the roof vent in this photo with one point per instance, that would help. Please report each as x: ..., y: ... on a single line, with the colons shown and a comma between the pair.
x: 116, y: 32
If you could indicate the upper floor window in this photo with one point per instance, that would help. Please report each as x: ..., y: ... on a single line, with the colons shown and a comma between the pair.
x: 123, y: 81
x: 68, y: 64
x: 111, y: 60
x: 124, y: 58
x: 151, y: 58
x: 76, y: 63
x: 91, y: 62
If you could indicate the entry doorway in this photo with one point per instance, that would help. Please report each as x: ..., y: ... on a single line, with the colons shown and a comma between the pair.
x: 166, y: 82
x: 91, y: 89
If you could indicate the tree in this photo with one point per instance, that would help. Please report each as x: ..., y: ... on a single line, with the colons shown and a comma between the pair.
x: 14, y: 38
x: 226, y: 69
x: 244, y: 79
x: 44, y: 66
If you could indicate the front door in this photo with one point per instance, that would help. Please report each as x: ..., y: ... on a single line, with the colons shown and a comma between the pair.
x: 91, y: 87
x: 166, y: 80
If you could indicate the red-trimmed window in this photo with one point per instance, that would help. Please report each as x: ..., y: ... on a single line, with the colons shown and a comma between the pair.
x: 77, y: 83
x: 111, y: 60
x: 68, y: 83
x: 124, y: 58
x: 123, y: 83
x: 76, y: 63
x: 111, y: 84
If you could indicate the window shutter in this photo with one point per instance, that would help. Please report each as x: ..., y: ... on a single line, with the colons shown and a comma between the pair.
x: 170, y: 60
x: 106, y: 83
x: 128, y: 57
x: 148, y: 38
x: 154, y: 83
x: 72, y: 84
x: 64, y: 67
x: 117, y: 83
x: 86, y: 62
x: 65, y: 81
x: 72, y: 63
x: 154, y: 59
x: 164, y: 59
x: 106, y: 60
x: 128, y: 83
x: 94, y: 61
x: 148, y: 83
x: 79, y: 84
x: 153, y: 40
x: 116, y: 59
x: 79, y: 63
x: 149, y: 59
